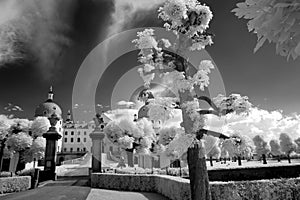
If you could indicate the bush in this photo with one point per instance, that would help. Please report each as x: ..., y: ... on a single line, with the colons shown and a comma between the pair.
x: 177, y: 188
x: 33, y: 173
x: 14, y: 184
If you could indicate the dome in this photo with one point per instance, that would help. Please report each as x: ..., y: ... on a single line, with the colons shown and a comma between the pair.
x: 48, y: 108
x: 143, y: 112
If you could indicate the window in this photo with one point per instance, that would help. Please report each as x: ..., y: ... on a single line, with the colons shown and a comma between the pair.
x: 78, y: 139
x: 66, y: 132
x: 84, y: 149
x: 78, y: 149
x: 84, y: 139
x: 66, y: 140
x: 72, y: 139
x: 71, y: 149
x: 78, y: 132
x: 65, y: 149
x: 84, y: 133
x: 59, y: 129
x: 72, y: 132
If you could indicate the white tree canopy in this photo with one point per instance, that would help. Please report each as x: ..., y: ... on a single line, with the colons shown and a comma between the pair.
x: 276, y: 21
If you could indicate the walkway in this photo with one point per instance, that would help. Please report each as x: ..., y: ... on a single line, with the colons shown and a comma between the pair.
x: 76, y: 188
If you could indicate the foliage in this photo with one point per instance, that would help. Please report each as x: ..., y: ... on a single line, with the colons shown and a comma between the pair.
x: 5, y: 124
x: 39, y: 126
x: 19, y: 142
x: 297, y: 141
x: 232, y: 103
x: 275, y: 148
x: 212, y: 148
x: 130, y: 135
x: 14, y: 184
x: 276, y: 21
x: 20, y: 125
x: 261, y: 146
x: 36, y: 150
x: 238, y: 145
x: 286, y: 144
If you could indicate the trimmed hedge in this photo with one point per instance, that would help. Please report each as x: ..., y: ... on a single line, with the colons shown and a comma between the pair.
x: 177, y: 188
x: 15, y: 184
x: 227, y: 174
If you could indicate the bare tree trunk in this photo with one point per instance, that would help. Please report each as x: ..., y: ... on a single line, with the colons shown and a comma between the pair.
x: 239, y: 161
x: 264, y: 159
x: 211, y: 161
x: 199, y: 182
x: 289, y: 158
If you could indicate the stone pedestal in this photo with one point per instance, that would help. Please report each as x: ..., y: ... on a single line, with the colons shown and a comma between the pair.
x: 50, y: 152
x: 97, y: 137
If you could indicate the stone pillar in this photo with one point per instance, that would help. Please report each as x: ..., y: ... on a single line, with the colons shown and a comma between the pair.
x: 51, y: 145
x: 97, y: 137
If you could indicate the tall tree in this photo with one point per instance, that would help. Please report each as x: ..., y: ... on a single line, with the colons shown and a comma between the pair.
x: 261, y: 147
x: 297, y: 141
x: 275, y: 149
x: 212, y: 148
x: 276, y: 21
x: 287, y: 145
x: 238, y: 146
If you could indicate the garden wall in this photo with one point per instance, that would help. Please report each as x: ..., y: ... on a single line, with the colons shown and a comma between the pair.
x: 177, y: 188
x: 14, y: 184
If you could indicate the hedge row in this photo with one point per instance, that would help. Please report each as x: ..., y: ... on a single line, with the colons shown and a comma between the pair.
x: 226, y: 174
x: 15, y: 184
x: 177, y: 188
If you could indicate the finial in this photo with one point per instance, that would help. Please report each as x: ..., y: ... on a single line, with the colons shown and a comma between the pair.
x: 69, y: 116
x: 50, y: 93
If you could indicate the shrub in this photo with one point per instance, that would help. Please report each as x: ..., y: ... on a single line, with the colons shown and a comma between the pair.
x: 33, y: 173
x: 14, y: 184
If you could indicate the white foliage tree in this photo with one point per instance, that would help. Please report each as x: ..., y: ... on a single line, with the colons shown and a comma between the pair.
x: 287, y: 145
x: 275, y: 149
x: 261, y: 147
x: 238, y: 146
x: 212, y: 148
x: 19, y: 142
x: 275, y: 21
x: 39, y: 126
x: 297, y: 141
x: 188, y: 20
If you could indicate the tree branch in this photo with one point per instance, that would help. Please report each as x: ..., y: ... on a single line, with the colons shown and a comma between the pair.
x: 201, y: 132
x: 209, y: 101
x: 205, y: 112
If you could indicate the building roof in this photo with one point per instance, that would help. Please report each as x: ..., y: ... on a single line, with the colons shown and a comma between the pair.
x: 48, y: 107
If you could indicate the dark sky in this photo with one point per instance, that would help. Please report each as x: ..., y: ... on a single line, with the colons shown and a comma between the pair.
x: 270, y: 81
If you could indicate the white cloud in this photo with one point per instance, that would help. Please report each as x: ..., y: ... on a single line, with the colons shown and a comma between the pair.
x: 125, y: 11
x: 269, y: 124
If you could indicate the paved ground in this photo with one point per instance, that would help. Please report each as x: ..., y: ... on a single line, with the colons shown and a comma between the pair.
x: 77, y: 189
